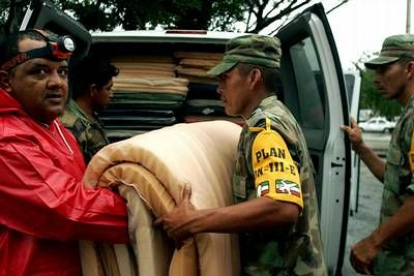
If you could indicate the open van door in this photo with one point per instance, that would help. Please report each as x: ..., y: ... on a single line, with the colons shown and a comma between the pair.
x: 353, y: 87
x: 314, y: 90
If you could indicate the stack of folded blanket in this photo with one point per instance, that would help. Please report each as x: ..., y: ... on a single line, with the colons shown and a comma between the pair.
x: 194, y: 66
x: 203, y: 103
x: 147, y: 95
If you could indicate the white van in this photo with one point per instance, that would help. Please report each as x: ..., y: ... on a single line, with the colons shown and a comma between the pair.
x: 312, y: 78
x: 353, y: 87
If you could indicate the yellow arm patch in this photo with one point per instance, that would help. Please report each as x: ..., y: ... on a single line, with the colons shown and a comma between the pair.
x: 411, y: 154
x: 276, y: 174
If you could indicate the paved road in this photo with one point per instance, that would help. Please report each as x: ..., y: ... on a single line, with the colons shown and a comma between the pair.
x: 365, y: 220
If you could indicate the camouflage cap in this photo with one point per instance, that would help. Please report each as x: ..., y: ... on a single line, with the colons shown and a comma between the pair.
x: 252, y: 49
x: 394, y: 48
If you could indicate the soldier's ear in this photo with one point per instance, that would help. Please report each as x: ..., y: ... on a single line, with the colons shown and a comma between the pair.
x: 410, y: 69
x: 5, y: 81
x: 93, y: 90
x: 255, y: 76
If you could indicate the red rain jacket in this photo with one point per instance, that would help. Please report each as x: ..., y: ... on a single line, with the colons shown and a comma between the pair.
x: 44, y: 207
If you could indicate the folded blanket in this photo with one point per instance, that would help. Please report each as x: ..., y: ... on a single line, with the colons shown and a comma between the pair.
x: 155, y: 82
x: 144, y: 59
x: 152, y: 169
x: 212, y: 80
x: 122, y: 134
x: 164, y: 85
x: 204, y: 107
x: 199, y: 55
x: 150, y: 104
x: 196, y: 72
x: 125, y: 88
x: 120, y: 95
x: 198, y: 63
x: 142, y: 73
x: 145, y: 65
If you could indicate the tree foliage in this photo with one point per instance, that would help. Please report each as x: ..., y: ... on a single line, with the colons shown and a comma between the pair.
x: 106, y: 15
x: 262, y: 13
x: 371, y: 98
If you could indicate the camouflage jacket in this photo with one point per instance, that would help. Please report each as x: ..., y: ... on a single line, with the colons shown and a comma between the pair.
x: 89, y: 133
x: 397, y: 256
x: 295, y: 251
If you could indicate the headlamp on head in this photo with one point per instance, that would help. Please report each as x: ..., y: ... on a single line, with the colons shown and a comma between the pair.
x: 57, y: 48
x: 63, y: 47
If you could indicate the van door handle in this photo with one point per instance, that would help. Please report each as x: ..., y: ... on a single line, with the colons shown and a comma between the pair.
x: 333, y: 165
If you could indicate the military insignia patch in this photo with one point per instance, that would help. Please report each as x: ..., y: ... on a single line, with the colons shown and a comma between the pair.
x: 263, y: 189
x: 411, y: 154
x: 287, y: 187
x: 412, y: 161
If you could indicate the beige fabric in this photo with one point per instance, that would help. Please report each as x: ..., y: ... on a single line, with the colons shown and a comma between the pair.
x: 125, y: 88
x: 199, y: 63
x: 145, y: 70
x: 155, y: 82
x: 151, y: 169
x: 145, y: 65
x: 144, y: 59
x: 199, y: 55
x: 136, y: 73
x: 206, y: 80
x: 196, y: 72
x: 149, y: 243
x: 162, y: 85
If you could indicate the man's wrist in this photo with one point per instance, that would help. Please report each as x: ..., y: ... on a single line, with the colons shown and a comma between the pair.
x: 361, y: 148
x: 194, y: 223
x: 203, y: 221
x: 377, y: 238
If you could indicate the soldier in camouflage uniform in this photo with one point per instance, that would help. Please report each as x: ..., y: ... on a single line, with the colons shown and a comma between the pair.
x: 389, y: 249
x: 91, y: 81
x: 276, y: 212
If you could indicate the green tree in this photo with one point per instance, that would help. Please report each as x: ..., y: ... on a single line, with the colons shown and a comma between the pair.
x: 263, y: 13
x: 105, y: 15
x: 371, y: 98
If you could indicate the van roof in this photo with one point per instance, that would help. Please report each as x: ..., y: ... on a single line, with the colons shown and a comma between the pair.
x: 165, y: 36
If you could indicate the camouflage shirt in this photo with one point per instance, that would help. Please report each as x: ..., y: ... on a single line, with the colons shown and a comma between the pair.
x: 273, y: 161
x: 89, y: 133
x: 397, y: 256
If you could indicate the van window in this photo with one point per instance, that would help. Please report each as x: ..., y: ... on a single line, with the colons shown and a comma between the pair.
x: 309, y: 83
x: 349, y: 82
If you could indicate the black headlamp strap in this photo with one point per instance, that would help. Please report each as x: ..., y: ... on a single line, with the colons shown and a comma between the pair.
x: 16, y: 60
x: 52, y: 51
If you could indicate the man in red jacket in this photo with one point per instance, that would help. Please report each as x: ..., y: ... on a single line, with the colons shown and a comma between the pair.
x: 44, y: 206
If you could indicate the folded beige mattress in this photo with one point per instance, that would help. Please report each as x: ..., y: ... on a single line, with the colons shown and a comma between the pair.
x: 199, y: 55
x: 150, y: 171
x: 160, y: 85
x: 198, y: 63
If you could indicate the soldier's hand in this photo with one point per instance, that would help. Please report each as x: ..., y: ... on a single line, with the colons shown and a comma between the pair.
x: 176, y: 223
x: 355, y: 134
x: 363, y: 255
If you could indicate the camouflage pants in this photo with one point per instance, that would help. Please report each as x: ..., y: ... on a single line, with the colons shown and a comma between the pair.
x: 388, y: 263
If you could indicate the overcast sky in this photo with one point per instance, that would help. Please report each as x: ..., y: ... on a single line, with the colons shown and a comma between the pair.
x: 362, y: 25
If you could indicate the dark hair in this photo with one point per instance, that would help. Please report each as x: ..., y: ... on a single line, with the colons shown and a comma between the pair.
x: 90, y: 70
x: 9, y: 48
x: 405, y: 60
x: 271, y: 76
